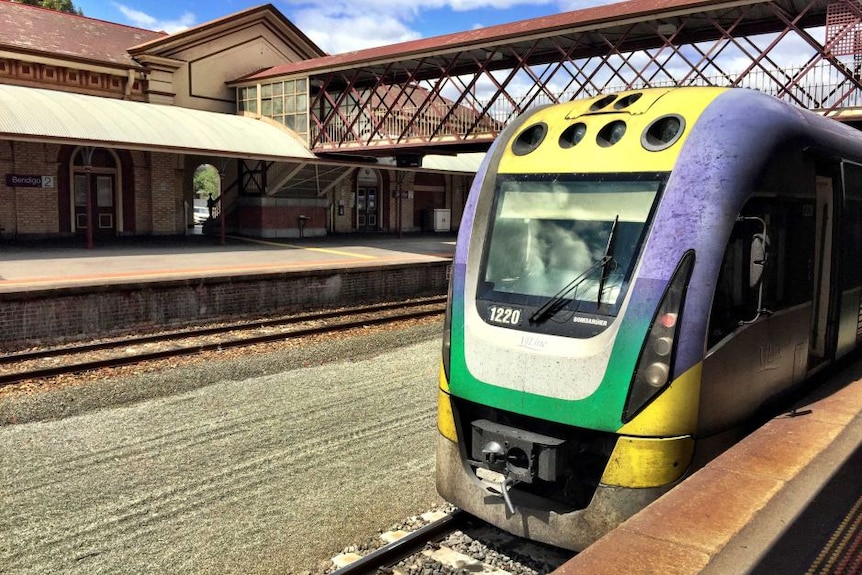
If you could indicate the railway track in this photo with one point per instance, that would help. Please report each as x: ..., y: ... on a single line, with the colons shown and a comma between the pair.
x: 49, y: 362
x: 455, y: 543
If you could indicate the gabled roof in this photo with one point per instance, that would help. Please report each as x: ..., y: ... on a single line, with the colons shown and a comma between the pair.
x: 39, y: 31
x: 56, y: 34
x: 265, y: 13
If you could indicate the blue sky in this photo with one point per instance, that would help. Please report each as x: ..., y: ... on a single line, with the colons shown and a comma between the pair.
x: 338, y: 25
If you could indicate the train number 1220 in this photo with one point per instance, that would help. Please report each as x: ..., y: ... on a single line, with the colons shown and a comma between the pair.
x: 504, y: 315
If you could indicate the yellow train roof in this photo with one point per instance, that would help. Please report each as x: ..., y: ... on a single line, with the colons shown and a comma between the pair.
x: 632, y: 131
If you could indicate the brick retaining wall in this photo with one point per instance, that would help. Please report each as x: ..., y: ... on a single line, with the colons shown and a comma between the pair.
x: 84, y: 313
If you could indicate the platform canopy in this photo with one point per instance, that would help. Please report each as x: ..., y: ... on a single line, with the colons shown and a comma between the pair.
x: 34, y: 114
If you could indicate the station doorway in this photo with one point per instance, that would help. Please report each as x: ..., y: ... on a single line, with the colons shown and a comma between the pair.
x: 94, y: 180
x: 367, y: 200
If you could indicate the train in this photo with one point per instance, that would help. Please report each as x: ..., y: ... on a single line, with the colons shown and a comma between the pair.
x: 635, y: 274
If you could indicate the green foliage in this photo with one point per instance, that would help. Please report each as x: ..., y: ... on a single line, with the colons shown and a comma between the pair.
x: 59, y: 5
x: 206, y: 181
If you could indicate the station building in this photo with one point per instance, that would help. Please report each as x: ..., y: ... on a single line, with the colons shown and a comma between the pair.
x: 102, y: 127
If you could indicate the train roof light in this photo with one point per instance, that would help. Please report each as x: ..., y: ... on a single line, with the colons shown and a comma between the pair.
x: 611, y: 133
x: 663, y: 132
x: 602, y: 103
x: 572, y: 135
x: 529, y: 139
x: 627, y: 101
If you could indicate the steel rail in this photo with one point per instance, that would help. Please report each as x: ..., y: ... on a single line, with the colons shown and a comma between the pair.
x: 213, y: 330
x: 389, y: 554
x: 9, y: 378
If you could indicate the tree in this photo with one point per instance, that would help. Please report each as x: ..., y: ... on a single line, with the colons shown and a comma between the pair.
x: 58, y: 5
x: 206, y: 181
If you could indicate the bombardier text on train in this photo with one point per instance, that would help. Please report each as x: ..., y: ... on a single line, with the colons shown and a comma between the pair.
x: 623, y: 267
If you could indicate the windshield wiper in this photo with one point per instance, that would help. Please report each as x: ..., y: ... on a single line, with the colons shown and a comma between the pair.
x: 609, y: 255
x: 558, y: 300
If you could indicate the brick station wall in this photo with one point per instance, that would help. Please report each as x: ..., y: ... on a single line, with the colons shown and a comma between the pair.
x: 78, y: 314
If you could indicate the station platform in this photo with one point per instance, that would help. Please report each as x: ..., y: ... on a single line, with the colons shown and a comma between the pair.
x: 61, y: 292
x: 29, y: 266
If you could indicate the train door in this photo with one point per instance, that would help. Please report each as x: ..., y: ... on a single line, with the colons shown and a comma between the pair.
x: 849, y: 273
x: 760, y: 328
x: 822, y: 345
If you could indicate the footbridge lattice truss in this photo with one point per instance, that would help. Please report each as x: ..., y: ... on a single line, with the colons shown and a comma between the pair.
x: 457, y: 92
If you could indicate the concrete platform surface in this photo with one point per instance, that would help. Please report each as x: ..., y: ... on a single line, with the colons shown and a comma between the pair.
x: 39, y: 265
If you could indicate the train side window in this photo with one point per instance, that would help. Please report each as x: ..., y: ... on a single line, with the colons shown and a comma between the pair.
x: 734, y: 300
x: 851, y: 228
x: 787, y: 276
x: 783, y: 197
x: 851, y: 245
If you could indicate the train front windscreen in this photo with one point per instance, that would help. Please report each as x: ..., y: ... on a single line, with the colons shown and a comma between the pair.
x: 564, y: 245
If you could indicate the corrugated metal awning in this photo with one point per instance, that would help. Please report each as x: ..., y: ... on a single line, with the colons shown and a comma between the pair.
x: 35, y: 114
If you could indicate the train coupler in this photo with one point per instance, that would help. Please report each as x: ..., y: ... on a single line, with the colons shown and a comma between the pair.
x: 505, y: 485
x: 514, y: 456
x: 512, y: 452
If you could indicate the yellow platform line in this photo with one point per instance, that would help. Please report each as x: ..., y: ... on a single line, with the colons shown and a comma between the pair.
x: 190, y: 273
x: 295, y: 247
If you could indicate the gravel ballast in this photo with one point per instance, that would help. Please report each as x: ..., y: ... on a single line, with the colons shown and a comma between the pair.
x: 246, y: 463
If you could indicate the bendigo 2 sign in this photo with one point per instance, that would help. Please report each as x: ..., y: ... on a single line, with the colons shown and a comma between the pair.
x: 24, y: 181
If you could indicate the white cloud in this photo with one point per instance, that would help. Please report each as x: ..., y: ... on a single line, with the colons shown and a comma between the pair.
x: 144, y: 20
x: 344, y: 25
x: 411, y: 10
x: 337, y: 33
x: 340, y: 26
x: 571, y: 5
x: 466, y: 5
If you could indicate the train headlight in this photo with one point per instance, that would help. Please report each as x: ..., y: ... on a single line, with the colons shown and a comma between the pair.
x: 656, y: 374
x: 653, y: 371
x: 447, y: 327
x: 445, y: 415
x: 663, y: 346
